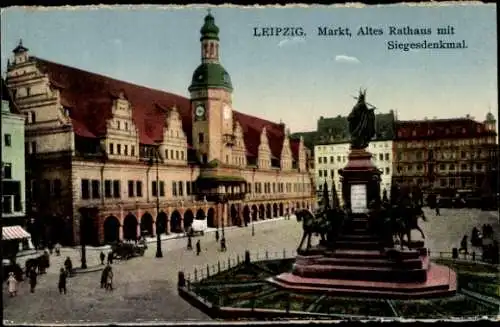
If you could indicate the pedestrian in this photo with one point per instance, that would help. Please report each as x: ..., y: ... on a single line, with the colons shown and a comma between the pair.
x: 485, y: 230
x: 198, y: 247
x: 63, y: 275
x: 110, y: 257
x: 51, y: 247
x: 12, y: 283
x: 102, y: 257
x: 223, y: 244
x: 58, y: 249
x: 190, y: 244
x: 69, y: 266
x: 217, y: 236
x: 438, y: 203
x: 463, y: 244
x: 33, y: 277
x: 109, y: 279
x: 104, y: 276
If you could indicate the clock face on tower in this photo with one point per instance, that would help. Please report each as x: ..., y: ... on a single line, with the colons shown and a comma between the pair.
x: 199, y: 112
x: 227, y: 112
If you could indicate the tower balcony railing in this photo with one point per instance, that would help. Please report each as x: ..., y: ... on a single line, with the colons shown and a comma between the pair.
x: 215, y: 197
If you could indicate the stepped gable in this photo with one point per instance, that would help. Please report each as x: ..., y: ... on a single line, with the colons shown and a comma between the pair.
x: 89, y: 98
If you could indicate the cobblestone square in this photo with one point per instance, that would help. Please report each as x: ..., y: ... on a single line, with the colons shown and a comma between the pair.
x: 145, y: 287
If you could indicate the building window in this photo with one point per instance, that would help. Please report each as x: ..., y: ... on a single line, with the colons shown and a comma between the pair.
x: 387, y: 156
x: 332, y: 173
x: 188, y: 188
x: 479, y: 166
x: 331, y: 159
x: 463, y: 154
x: 177, y: 155
x: 452, y: 167
x: 463, y: 167
x: 166, y: 154
x: 154, y: 189
x: 174, y: 188
x: 119, y: 148
x: 28, y: 91
x: 182, y: 155
x: 387, y: 171
x: 162, y: 188
x: 171, y: 154
x: 201, y: 138
x: 96, y: 189
x: 320, y: 160
x: 118, y: 124
x: 116, y: 188
x: 126, y: 126
x: 7, y: 204
x: 6, y: 170
x: 85, y: 189
x: 130, y: 189
x: 33, y: 117
x: 7, y: 139
x: 107, y: 188
x: 33, y: 147
x: 442, y: 167
x: 338, y: 158
x: 57, y: 187
x: 380, y: 156
x: 132, y: 150
x: 111, y: 148
x: 138, y: 186
x: 181, y: 193
x: 419, y: 167
x: 125, y: 150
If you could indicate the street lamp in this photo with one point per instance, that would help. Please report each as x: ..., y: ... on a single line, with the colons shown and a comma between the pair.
x: 253, y: 222
x: 223, y: 200
x: 159, y: 253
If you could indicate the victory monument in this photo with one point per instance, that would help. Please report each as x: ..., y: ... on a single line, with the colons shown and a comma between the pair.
x: 366, y: 248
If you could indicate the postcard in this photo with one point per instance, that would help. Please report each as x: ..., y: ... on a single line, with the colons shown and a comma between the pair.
x: 200, y: 163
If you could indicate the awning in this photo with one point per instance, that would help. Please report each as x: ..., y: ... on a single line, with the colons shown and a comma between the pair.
x: 14, y: 233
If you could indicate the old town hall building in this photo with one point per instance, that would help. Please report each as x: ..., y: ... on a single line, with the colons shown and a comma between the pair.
x: 106, y: 159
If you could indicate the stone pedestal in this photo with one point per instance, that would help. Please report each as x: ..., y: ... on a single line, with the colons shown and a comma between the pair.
x: 360, y: 172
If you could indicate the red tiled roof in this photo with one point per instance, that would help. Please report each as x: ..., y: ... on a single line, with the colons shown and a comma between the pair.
x: 441, y: 128
x: 89, y: 98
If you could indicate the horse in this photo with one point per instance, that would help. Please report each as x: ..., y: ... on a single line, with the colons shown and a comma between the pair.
x: 405, y: 219
x: 310, y: 224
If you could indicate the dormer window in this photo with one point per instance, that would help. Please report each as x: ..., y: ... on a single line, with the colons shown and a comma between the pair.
x: 118, y: 124
x: 126, y: 126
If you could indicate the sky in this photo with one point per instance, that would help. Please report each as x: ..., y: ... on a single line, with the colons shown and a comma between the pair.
x: 293, y: 79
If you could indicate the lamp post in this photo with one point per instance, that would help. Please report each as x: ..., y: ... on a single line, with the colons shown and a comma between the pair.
x: 253, y: 213
x: 159, y: 253
x: 83, y: 221
x: 223, y: 200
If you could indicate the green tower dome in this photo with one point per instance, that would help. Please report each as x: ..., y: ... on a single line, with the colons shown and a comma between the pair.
x: 211, y: 75
x: 209, y: 30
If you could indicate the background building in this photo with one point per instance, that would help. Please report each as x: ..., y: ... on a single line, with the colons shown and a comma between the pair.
x: 333, y: 144
x: 109, y: 159
x: 13, y: 172
x: 445, y: 155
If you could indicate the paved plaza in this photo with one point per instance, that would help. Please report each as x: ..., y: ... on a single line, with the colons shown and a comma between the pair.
x: 145, y: 287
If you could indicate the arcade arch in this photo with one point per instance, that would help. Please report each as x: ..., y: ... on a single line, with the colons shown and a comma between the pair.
x: 130, y: 227
x: 111, y: 230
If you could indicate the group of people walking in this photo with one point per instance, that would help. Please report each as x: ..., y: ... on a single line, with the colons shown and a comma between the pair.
x: 485, y: 240
x: 223, y: 247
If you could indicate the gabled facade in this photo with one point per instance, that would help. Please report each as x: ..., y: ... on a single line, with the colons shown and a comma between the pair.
x: 101, y: 152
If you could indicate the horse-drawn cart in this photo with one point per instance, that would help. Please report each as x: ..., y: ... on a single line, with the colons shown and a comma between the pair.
x: 125, y: 251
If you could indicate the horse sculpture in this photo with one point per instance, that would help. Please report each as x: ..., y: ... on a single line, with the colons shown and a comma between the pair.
x: 405, y: 219
x: 310, y: 225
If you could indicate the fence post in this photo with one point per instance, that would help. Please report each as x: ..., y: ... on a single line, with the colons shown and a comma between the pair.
x: 218, y: 266
x: 284, y: 253
x: 228, y: 263
x: 267, y: 255
x: 181, y: 282
x: 195, y: 275
x: 474, y: 256
x: 208, y: 271
x: 247, y: 257
x: 238, y: 259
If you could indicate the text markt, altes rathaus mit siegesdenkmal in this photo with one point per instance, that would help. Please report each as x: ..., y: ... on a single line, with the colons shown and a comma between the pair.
x: 390, y: 30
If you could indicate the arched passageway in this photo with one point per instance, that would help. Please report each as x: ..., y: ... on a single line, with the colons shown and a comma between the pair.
x: 281, y: 210
x: 111, y: 230
x: 262, y: 212
x: 130, y: 227
x: 255, y: 212
x: 188, y: 219
x: 234, y: 216
x: 246, y: 214
x: 211, y: 218
x: 200, y: 214
x: 161, y: 223
x: 56, y: 230
x: 147, y: 224
x: 268, y: 211
x: 297, y: 205
x: 275, y: 210
x: 175, y: 222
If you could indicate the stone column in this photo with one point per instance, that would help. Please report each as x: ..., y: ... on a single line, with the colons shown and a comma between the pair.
x: 120, y: 232
x: 138, y: 231
x: 154, y: 226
